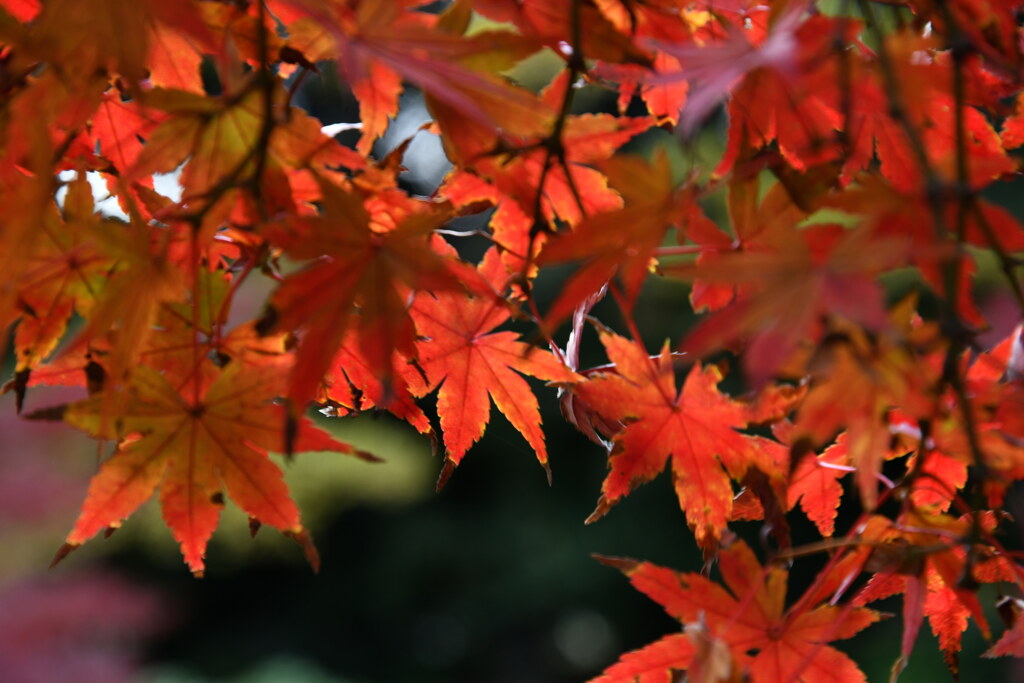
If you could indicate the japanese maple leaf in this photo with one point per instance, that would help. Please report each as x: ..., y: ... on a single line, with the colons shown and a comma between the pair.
x: 470, y: 362
x: 938, y: 562
x: 987, y: 26
x: 857, y: 380
x: 351, y: 386
x: 378, y: 45
x: 996, y: 393
x: 1012, y: 641
x: 716, y: 66
x: 658, y: 662
x: 793, y: 282
x: 174, y: 60
x: 924, y: 73
x: 193, y: 447
x: 124, y: 313
x: 511, y: 183
x: 907, y: 215
x: 66, y: 273
x: 194, y: 330
x: 86, y: 41
x: 792, y: 97
x: 655, y: 19
x: 1012, y: 133
x: 768, y: 643
x: 924, y: 594
x: 216, y: 137
x: 694, y: 427
x: 663, y: 100
x: 600, y: 38
x: 620, y: 241
x: 118, y: 129
x: 814, y: 481
x: 938, y: 477
x: 756, y: 222
x: 355, y: 264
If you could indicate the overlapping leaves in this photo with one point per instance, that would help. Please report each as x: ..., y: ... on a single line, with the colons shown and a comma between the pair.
x: 853, y: 157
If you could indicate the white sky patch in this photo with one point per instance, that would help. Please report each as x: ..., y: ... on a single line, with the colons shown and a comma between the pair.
x: 167, y: 184
x: 425, y: 157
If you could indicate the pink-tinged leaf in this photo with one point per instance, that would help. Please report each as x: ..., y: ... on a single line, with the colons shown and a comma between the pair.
x: 1011, y: 643
x: 716, y: 67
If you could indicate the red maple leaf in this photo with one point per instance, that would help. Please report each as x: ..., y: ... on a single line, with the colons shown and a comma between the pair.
x: 572, y: 189
x: 814, y: 482
x: 460, y: 352
x: 854, y: 384
x: 694, y: 427
x: 768, y: 642
x: 790, y: 283
x: 934, y: 561
x: 380, y: 44
x: 355, y: 264
x: 351, y: 386
x: 1011, y: 643
x: 651, y: 206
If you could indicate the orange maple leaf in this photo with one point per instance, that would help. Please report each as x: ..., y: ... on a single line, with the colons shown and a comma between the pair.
x: 1011, y: 643
x: 938, y: 562
x: 193, y: 447
x: 790, y: 285
x: 814, y: 482
x: 356, y: 265
x: 620, y: 241
x: 553, y: 22
x: 380, y: 44
x: 695, y: 427
x: 769, y: 643
x: 856, y: 380
x: 572, y: 189
x: 351, y: 386
x: 67, y: 269
x: 460, y: 353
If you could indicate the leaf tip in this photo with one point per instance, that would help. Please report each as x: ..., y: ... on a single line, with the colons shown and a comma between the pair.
x: 20, y: 386
x: 63, y: 552
x: 367, y: 456
x: 291, y: 431
x: 305, y: 540
x: 51, y: 414
x: 445, y: 474
x: 603, y: 506
x: 623, y: 564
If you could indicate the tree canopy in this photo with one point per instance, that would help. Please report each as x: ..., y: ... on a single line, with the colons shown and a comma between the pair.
x: 865, y: 142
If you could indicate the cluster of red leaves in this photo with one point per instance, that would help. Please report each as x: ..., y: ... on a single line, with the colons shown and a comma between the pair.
x: 851, y: 152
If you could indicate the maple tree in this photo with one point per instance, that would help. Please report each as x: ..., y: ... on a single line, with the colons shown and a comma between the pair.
x: 865, y: 139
